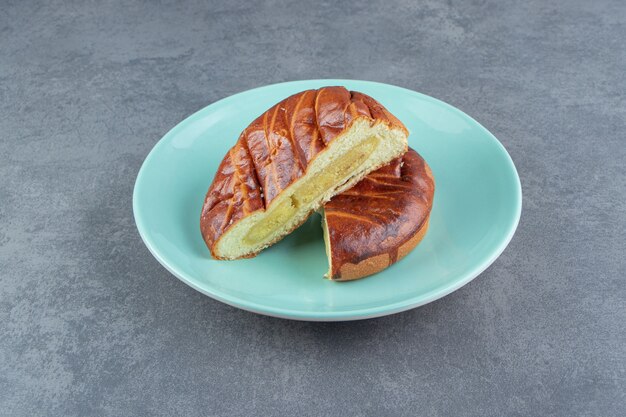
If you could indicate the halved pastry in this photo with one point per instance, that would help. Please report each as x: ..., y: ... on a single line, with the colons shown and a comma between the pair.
x: 379, y: 220
x: 289, y: 161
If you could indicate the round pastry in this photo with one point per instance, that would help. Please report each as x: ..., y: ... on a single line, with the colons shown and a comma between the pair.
x: 289, y: 161
x: 379, y: 220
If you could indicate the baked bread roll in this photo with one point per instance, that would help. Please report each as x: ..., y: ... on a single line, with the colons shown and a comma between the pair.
x: 379, y: 220
x: 289, y: 161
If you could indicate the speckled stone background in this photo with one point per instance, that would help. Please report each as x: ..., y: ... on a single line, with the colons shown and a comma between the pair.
x: 91, y: 324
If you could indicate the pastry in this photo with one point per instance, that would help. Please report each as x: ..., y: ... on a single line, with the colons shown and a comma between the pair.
x: 292, y: 159
x: 379, y: 220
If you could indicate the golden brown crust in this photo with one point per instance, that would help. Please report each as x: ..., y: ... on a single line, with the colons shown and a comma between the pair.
x: 275, y: 151
x: 381, y: 219
x: 377, y: 263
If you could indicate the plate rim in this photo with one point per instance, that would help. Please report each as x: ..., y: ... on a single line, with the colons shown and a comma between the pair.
x: 347, y: 315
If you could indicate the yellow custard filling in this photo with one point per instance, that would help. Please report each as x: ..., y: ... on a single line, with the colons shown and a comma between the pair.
x: 311, y: 189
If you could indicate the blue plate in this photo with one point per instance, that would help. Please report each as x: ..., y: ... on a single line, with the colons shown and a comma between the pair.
x: 477, y: 207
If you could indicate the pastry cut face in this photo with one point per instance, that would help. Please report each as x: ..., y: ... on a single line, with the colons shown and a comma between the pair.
x: 289, y: 161
x: 379, y: 220
x: 309, y: 190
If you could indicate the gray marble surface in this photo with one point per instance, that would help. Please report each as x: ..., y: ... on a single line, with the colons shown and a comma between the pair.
x: 91, y: 324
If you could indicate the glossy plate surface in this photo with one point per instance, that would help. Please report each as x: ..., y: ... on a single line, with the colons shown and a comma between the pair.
x: 476, y: 211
